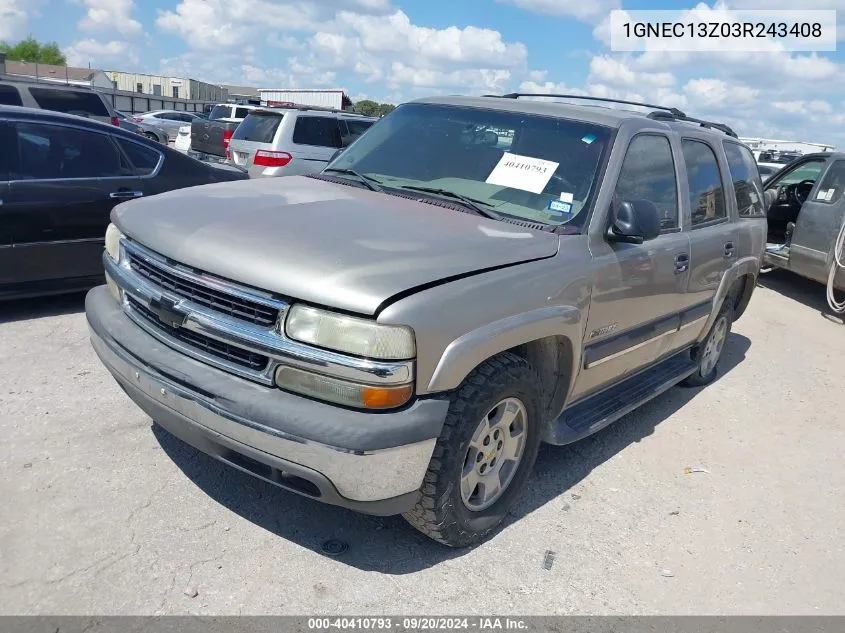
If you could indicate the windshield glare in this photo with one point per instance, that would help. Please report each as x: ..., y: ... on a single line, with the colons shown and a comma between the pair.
x: 531, y: 167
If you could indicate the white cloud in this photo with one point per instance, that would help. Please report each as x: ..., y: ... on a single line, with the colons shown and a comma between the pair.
x: 110, y: 15
x: 607, y: 69
x: 807, y: 108
x: 101, y: 54
x: 586, y: 10
x: 709, y: 93
x: 369, y: 39
x: 14, y: 17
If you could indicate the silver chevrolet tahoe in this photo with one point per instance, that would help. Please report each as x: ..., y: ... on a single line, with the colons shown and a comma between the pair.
x: 474, y: 276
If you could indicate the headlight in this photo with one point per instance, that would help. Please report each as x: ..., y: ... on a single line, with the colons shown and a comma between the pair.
x: 353, y: 335
x: 113, y: 236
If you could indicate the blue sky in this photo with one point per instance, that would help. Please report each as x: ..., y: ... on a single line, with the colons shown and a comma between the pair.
x: 394, y: 50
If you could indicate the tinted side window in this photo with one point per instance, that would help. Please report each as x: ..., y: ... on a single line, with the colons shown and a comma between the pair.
x: 833, y: 183
x: 144, y: 159
x: 747, y: 185
x: 313, y: 130
x: 707, y: 194
x: 241, y: 113
x: 70, y: 101
x: 9, y: 95
x: 357, y: 128
x: 260, y: 128
x: 648, y: 173
x: 55, y: 151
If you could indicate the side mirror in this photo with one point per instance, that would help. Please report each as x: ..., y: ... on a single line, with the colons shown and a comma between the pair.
x: 336, y: 154
x: 635, y: 222
x: 346, y: 141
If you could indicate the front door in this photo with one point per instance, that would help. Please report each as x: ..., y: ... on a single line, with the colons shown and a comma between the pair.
x: 638, y: 289
x: 818, y: 225
x: 62, y: 191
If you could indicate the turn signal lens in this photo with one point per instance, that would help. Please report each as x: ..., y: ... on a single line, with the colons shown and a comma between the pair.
x: 342, y: 392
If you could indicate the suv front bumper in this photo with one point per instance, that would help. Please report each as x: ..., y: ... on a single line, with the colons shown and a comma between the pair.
x: 369, y: 462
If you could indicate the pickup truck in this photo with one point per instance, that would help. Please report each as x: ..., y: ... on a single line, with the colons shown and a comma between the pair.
x: 472, y: 277
x: 210, y: 137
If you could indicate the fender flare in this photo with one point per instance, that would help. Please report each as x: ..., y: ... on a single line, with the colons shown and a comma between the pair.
x: 746, y: 266
x: 468, y: 351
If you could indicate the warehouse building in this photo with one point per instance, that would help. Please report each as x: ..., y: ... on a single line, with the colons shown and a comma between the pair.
x: 71, y: 75
x: 168, y: 87
x: 332, y: 98
x: 243, y: 95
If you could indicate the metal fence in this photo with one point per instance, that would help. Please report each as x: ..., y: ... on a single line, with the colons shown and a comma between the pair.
x: 135, y: 102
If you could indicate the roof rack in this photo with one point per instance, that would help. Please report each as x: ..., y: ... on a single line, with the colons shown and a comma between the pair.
x: 662, y: 113
x: 517, y: 95
x: 664, y: 116
x: 310, y: 108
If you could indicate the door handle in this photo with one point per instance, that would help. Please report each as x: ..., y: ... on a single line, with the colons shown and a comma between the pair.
x: 729, y: 250
x: 125, y: 194
x: 681, y: 263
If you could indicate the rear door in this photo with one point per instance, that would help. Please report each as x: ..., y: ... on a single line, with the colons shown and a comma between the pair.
x: 66, y: 183
x: 713, y: 236
x: 818, y: 225
x: 638, y: 289
x: 315, y: 140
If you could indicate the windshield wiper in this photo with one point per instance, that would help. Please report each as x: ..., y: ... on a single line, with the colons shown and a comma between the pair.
x: 371, y: 183
x: 467, y: 202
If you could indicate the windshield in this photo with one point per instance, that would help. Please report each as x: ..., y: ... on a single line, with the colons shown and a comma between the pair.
x: 531, y: 167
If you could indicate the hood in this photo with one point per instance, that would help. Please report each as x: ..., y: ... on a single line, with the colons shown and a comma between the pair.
x: 333, y: 245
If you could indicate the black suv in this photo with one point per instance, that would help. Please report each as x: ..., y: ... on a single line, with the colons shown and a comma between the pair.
x: 78, y: 100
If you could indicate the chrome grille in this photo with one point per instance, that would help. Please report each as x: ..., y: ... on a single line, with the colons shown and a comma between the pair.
x: 230, y: 353
x: 220, y: 301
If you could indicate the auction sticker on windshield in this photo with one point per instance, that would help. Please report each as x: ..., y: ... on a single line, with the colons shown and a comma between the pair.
x: 522, y: 172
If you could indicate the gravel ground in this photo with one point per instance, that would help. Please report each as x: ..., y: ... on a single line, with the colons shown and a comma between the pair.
x: 104, y: 514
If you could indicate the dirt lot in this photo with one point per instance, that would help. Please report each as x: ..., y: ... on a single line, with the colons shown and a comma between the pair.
x: 103, y: 513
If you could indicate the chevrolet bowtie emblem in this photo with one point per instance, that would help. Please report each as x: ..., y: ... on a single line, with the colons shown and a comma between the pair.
x: 167, y: 312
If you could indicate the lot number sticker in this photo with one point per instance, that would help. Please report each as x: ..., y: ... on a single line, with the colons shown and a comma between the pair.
x: 522, y: 172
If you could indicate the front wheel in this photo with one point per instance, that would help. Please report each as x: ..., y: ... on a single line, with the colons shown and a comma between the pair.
x: 709, y: 352
x: 484, y: 454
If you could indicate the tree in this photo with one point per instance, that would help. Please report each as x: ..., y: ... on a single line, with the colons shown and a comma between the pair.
x: 371, y: 108
x: 31, y: 50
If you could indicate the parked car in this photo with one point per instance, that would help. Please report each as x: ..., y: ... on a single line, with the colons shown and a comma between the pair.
x: 283, y: 142
x: 767, y: 171
x: 77, y: 100
x: 60, y: 177
x: 210, y: 137
x: 143, y: 129
x: 167, y: 121
x: 805, y: 217
x: 399, y: 333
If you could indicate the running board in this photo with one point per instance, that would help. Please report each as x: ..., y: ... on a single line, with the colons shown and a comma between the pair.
x: 597, y: 411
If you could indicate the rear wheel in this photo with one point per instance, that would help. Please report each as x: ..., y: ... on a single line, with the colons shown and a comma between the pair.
x: 152, y: 136
x: 484, y: 454
x: 709, y: 352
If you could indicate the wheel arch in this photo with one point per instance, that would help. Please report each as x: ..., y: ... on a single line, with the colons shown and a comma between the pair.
x: 548, y: 339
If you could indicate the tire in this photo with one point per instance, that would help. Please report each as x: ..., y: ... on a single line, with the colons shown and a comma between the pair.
x: 152, y: 137
x: 706, y: 369
x: 494, y: 389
